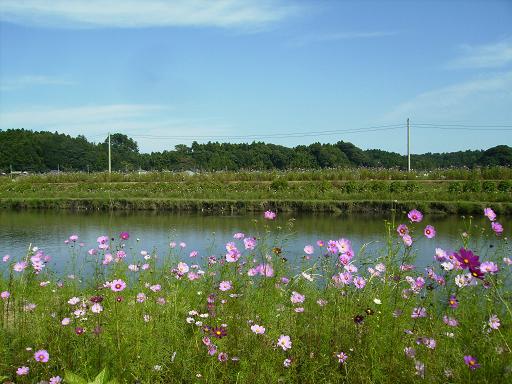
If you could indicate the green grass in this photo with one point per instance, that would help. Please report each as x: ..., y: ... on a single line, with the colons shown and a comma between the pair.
x: 330, y: 191
x: 130, y: 346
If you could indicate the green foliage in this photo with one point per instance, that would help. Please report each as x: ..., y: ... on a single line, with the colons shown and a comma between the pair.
x: 26, y: 150
x: 101, y: 378
x: 279, y: 185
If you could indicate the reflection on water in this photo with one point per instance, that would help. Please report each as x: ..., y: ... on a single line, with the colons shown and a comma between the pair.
x: 208, y: 234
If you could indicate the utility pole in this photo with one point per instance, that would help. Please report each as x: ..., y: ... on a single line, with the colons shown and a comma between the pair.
x: 408, y: 146
x: 109, y: 155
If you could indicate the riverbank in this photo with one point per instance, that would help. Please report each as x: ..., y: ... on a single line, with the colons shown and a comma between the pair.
x: 241, y: 206
x: 335, y: 191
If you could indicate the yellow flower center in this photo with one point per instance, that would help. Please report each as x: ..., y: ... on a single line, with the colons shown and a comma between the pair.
x: 466, y: 261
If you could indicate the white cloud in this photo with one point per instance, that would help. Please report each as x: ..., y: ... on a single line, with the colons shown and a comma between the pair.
x: 318, y: 38
x: 21, y: 82
x: 145, y: 13
x: 482, y: 98
x: 493, y: 55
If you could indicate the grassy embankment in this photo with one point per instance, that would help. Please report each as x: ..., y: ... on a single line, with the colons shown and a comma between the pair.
x: 344, y: 190
x: 341, y: 316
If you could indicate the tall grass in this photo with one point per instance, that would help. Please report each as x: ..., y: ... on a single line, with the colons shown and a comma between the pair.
x: 162, y: 327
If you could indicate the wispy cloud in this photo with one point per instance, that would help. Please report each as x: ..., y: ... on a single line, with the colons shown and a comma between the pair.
x: 338, y: 36
x: 147, y: 13
x: 494, y: 55
x: 21, y: 82
x: 484, y: 97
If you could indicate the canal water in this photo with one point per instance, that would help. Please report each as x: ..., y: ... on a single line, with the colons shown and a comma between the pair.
x: 208, y: 234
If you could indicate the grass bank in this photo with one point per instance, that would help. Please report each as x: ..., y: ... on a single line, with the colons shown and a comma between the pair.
x: 323, y: 191
x: 246, y: 315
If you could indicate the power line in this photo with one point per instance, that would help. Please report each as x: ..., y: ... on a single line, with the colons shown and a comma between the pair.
x: 277, y: 135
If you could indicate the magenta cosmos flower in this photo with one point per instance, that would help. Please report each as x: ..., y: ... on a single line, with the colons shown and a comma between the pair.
x: 497, y: 227
x: 269, y: 215
x: 117, y: 285
x: 467, y: 258
x: 471, y: 362
x: 415, y: 216
x: 124, y: 235
x: 453, y: 302
x: 42, y: 356
x: 429, y: 231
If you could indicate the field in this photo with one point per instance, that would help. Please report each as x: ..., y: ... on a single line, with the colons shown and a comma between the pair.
x: 244, y: 314
x: 339, y: 190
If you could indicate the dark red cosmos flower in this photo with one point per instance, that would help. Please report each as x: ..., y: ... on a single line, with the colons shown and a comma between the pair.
x: 467, y: 258
x: 79, y: 331
x: 476, y: 272
x: 96, y: 299
x: 219, y: 332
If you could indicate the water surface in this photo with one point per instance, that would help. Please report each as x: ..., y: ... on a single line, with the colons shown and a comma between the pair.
x: 207, y: 234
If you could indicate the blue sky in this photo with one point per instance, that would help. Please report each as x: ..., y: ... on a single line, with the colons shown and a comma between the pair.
x: 277, y: 71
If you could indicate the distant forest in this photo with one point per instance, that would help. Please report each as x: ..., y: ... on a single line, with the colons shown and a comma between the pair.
x: 26, y: 150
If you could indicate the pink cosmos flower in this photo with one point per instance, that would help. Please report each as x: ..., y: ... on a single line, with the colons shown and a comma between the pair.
x: 410, y: 352
x: 359, y: 282
x: 488, y: 267
x: 453, y: 302
x: 183, y: 244
x: 193, y: 254
x: 65, y: 321
x: 415, y: 216
x: 258, y: 329
x: 419, y: 312
x: 450, y: 321
x: 494, y: 322
x: 22, y: 371
x: 117, y: 285
x: 269, y: 215
x: 222, y: 357
x: 490, y: 214
x: 20, y: 266
x: 73, y: 238
x: 6, y: 258
x: 42, y: 356
x: 5, y: 295
x: 238, y: 235
x: 497, y: 227
x: 250, y: 243
x: 320, y: 243
x: 56, y: 380
x: 429, y: 231
x: 183, y: 268
x: 96, y: 308
x: 225, y: 286
x: 124, y: 235
x: 297, y: 298
x: 233, y: 256
x: 407, y: 239
x: 342, y: 356
x: 155, y: 288
x: 284, y: 342
x: 287, y: 363
x: 471, y: 362
x: 402, y: 230
x: 309, y: 250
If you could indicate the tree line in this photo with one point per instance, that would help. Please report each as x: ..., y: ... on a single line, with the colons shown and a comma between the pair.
x: 32, y: 151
